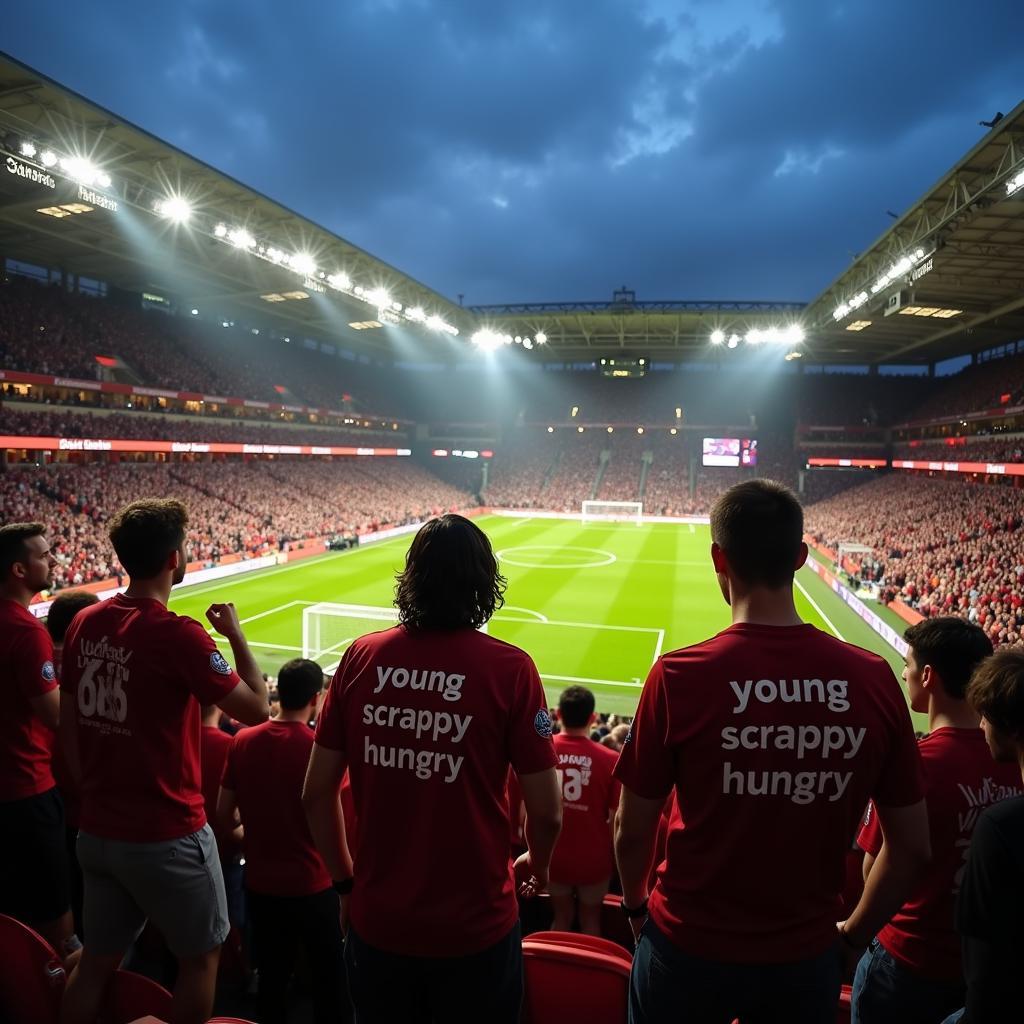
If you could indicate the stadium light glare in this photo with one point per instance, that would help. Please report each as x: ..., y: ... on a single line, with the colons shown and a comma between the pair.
x: 380, y: 297
x: 48, y: 158
x: 27, y: 150
x: 717, y: 337
x: 416, y: 314
x: 611, y: 430
x: 673, y: 431
x: 527, y: 344
x: 79, y: 169
x: 195, y: 312
x: 104, y: 179
x: 639, y: 430
x: 1015, y: 184
x: 486, y: 340
x: 303, y: 263
x: 541, y: 338
x: 551, y: 430
x: 220, y: 231
x: 435, y: 323
x: 579, y: 430
x: 174, y: 208
x: 734, y: 340
x: 241, y: 239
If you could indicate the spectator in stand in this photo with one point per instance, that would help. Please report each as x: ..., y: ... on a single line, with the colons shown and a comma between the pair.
x: 992, y: 892
x: 214, y: 744
x: 738, y: 727
x: 63, y: 609
x: 582, y: 865
x: 291, y: 900
x: 135, y: 677
x: 428, y: 716
x: 912, y: 973
x: 34, y: 872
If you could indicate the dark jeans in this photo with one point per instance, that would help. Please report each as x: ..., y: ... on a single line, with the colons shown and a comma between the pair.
x: 667, y: 984
x: 389, y: 987
x: 280, y: 924
x: 884, y: 991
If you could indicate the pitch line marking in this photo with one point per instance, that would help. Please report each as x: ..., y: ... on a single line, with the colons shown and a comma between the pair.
x: 258, y: 643
x: 261, y: 615
x: 518, y: 608
x: 608, y: 557
x: 634, y: 684
x: 585, y: 625
x: 817, y: 608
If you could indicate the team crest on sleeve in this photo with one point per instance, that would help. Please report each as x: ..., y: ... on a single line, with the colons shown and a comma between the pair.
x: 219, y: 664
x: 542, y: 723
x: 629, y: 736
x: 48, y: 672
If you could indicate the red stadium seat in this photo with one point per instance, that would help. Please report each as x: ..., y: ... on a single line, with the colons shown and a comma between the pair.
x: 568, y: 980
x: 595, y: 943
x: 843, y: 1016
x: 229, y: 1020
x: 31, y: 976
x: 130, y: 996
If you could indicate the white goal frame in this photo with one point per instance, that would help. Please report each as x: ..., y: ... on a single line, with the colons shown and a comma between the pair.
x: 619, y: 513
x: 314, y: 614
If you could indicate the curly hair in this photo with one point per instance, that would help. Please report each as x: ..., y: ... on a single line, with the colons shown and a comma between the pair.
x: 145, y: 533
x: 451, y: 578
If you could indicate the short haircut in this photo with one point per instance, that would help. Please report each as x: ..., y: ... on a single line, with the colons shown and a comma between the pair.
x: 575, y: 706
x: 146, y: 533
x: 952, y: 646
x: 759, y: 524
x: 298, y: 682
x: 12, y: 543
x: 451, y: 577
x: 64, y: 608
x: 996, y: 690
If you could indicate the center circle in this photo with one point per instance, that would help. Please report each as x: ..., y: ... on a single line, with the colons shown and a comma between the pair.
x: 605, y: 557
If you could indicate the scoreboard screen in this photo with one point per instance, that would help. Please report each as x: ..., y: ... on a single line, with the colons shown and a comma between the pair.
x: 730, y: 451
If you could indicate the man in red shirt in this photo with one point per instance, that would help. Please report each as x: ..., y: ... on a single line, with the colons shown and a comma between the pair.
x: 582, y: 867
x: 135, y: 675
x: 428, y: 717
x: 912, y: 974
x: 34, y: 872
x: 774, y: 736
x: 290, y: 897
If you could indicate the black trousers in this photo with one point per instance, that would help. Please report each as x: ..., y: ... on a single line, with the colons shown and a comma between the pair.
x: 388, y: 987
x: 280, y: 926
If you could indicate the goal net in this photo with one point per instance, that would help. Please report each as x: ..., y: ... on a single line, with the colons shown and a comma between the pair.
x: 328, y: 629
x: 613, y: 512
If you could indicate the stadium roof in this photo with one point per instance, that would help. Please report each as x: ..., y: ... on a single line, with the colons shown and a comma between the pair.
x: 962, y: 247
x: 69, y: 215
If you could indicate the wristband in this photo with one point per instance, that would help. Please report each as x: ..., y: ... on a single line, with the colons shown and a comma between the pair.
x: 634, y: 912
x: 344, y: 887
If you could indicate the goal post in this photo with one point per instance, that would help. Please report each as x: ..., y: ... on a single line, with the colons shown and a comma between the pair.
x: 328, y: 629
x: 613, y: 512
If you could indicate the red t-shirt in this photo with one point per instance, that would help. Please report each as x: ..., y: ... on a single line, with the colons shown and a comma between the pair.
x: 266, y: 768
x: 583, y: 853
x: 139, y: 674
x: 26, y: 668
x: 774, y: 739
x: 961, y: 780
x: 213, y: 753
x: 429, y: 723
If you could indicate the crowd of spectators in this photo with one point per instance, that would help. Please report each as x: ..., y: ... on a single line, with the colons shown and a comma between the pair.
x: 988, y: 385
x: 985, y: 450
x: 942, y: 547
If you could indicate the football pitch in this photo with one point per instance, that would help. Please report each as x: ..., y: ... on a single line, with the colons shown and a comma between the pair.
x: 592, y: 603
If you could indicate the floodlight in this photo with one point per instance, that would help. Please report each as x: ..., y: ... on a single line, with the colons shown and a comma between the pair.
x: 527, y: 344
x: 396, y: 306
x: 416, y: 313
x: 579, y: 430
x: 518, y: 339
x: 435, y: 323
x: 380, y: 297
x: 679, y: 412
x: 195, y: 312
x: 717, y: 337
x: 339, y: 280
x: 611, y: 430
x: 49, y: 158
x: 104, y: 179
x: 303, y: 263
x: 673, y: 431
x: 220, y: 230
x: 734, y: 340
x: 27, y: 150
x: 639, y: 430
x: 486, y: 340
x: 541, y: 338
x: 241, y: 239
x: 174, y: 208
x: 551, y: 430
x: 1015, y: 184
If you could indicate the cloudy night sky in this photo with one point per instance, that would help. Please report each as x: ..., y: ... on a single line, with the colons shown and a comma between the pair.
x: 689, y: 149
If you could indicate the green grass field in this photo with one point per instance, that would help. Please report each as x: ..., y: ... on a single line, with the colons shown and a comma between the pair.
x: 591, y: 603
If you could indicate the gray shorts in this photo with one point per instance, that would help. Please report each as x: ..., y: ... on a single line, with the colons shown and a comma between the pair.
x: 177, y: 884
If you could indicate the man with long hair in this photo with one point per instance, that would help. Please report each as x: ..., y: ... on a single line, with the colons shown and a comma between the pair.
x: 427, y: 717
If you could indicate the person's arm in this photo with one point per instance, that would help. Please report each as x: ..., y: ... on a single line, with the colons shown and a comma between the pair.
x: 906, y: 850
x: 227, y: 813
x: 636, y: 835
x: 46, y: 707
x: 67, y: 736
x: 868, y: 864
x: 320, y: 800
x: 543, y: 800
x: 247, y: 703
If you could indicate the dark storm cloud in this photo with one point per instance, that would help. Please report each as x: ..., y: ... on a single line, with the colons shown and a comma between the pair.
x: 535, y: 151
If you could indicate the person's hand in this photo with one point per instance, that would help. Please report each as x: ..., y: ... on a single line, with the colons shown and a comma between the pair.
x: 530, y: 879
x: 852, y: 949
x: 224, y: 619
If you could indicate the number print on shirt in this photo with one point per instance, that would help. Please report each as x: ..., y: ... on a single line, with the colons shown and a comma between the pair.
x: 100, y: 689
x: 572, y: 781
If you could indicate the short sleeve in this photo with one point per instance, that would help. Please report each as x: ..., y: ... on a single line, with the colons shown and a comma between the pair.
x: 869, y: 838
x: 901, y: 780
x: 207, y: 673
x: 530, y: 748
x: 228, y: 780
x: 646, y: 765
x: 33, y: 663
x: 330, y: 723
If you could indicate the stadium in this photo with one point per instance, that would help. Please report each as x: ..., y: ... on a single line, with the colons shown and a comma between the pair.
x: 168, y: 331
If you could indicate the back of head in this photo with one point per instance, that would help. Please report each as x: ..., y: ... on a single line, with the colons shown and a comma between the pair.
x: 298, y: 682
x: 996, y: 691
x: 953, y: 647
x: 451, y: 578
x: 759, y: 525
x: 13, y: 538
x: 64, y: 608
x: 575, y: 707
x: 146, y: 533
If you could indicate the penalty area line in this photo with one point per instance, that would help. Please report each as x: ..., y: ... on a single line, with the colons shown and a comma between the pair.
x: 817, y: 607
x: 633, y: 684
